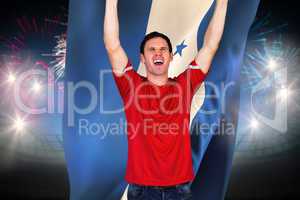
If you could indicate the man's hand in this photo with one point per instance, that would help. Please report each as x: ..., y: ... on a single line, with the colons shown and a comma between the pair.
x: 212, y: 36
x: 116, y: 53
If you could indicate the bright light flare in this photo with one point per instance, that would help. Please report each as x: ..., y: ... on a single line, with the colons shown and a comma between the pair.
x: 36, y: 87
x: 272, y: 64
x: 284, y: 93
x: 11, y: 78
x: 19, y: 124
x: 254, y: 124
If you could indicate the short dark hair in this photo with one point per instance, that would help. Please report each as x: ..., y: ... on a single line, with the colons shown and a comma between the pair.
x: 155, y: 34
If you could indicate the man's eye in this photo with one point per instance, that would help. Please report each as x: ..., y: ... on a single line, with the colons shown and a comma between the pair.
x: 164, y: 49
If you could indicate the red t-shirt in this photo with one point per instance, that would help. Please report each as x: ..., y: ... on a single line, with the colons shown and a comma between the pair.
x: 158, y: 117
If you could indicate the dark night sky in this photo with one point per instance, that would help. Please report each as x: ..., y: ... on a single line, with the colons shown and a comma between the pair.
x: 23, y: 179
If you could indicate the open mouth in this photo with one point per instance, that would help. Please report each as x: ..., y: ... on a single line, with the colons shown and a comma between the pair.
x: 158, y: 62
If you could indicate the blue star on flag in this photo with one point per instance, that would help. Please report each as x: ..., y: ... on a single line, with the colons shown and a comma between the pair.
x: 179, y: 48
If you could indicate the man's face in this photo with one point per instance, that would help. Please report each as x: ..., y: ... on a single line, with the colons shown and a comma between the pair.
x: 156, y: 56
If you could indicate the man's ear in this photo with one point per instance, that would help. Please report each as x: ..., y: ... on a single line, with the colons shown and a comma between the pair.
x: 142, y: 57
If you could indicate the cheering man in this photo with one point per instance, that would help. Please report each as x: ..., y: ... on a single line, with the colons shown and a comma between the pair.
x: 157, y: 107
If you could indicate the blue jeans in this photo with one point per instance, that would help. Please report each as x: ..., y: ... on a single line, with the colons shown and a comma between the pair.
x: 177, y: 192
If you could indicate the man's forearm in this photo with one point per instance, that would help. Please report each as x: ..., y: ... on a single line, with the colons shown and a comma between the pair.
x: 215, y: 28
x: 111, y: 25
x: 212, y: 36
x: 116, y: 54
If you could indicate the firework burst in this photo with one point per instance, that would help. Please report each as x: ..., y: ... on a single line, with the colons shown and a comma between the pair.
x: 260, y: 50
x: 59, y: 55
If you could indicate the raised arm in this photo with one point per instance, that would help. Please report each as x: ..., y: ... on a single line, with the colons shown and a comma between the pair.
x: 116, y: 53
x: 212, y: 36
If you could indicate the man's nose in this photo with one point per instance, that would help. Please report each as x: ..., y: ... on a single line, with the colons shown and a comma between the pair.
x: 158, y: 52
